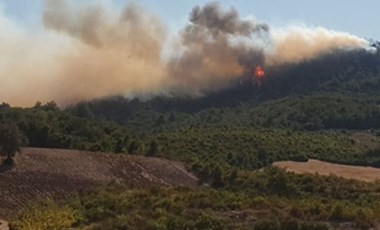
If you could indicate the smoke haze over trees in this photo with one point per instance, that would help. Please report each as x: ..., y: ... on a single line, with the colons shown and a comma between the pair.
x: 93, y: 50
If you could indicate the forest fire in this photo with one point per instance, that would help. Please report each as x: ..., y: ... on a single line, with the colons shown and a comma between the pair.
x: 258, y: 73
x: 90, y: 48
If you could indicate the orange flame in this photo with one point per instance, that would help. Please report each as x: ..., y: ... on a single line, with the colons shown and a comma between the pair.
x: 258, y: 73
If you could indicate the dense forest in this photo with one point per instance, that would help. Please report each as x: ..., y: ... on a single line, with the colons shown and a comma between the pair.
x: 310, y: 110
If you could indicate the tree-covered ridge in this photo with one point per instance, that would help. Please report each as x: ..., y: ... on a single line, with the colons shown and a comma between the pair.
x: 349, y: 72
x: 320, y: 111
x: 50, y: 127
x: 247, y: 137
x: 338, y: 90
x: 253, y: 148
x: 345, y: 72
x: 301, y: 112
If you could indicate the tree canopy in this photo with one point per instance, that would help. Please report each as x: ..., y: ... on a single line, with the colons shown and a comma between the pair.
x: 10, y: 141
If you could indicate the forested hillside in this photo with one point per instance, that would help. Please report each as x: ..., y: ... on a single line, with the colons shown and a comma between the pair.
x: 326, y: 109
x: 342, y: 88
x: 310, y: 110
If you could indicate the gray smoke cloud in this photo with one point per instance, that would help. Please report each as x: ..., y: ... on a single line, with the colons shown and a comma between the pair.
x: 213, y: 51
x: 88, y: 51
x: 217, y: 21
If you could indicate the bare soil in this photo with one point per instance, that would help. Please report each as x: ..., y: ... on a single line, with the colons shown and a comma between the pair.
x: 42, y: 173
x: 3, y: 225
x: 367, y: 174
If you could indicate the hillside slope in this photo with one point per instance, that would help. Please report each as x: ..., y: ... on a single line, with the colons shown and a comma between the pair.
x: 337, y: 72
x: 41, y: 173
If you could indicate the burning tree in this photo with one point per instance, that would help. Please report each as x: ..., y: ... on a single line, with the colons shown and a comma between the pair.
x: 258, y: 73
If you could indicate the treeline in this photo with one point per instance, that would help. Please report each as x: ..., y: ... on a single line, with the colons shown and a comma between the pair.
x: 319, y: 111
x: 343, y: 72
x: 245, y: 138
x: 48, y: 126
x: 303, y: 112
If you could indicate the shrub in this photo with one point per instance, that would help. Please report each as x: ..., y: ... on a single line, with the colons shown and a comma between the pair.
x: 291, y: 224
x: 267, y: 224
x: 49, y: 216
x: 314, y: 226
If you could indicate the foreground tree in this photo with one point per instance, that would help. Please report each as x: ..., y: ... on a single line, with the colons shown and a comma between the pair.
x: 10, y: 141
x: 153, y: 149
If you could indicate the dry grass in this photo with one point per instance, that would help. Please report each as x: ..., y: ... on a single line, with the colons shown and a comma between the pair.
x: 41, y: 173
x: 367, y: 174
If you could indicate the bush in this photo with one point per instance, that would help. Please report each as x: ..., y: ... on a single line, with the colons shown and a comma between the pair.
x: 268, y: 224
x: 314, y: 226
x: 291, y: 224
x: 205, y: 221
x: 8, y: 162
x: 50, y: 216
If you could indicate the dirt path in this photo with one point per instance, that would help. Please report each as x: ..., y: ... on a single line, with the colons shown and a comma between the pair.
x: 3, y: 225
x: 367, y: 174
x: 41, y: 173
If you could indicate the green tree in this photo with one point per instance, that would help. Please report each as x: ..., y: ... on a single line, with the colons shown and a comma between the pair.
x: 153, y: 149
x: 10, y: 141
x: 217, y: 177
x: 119, y: 148
x: 133, y: 147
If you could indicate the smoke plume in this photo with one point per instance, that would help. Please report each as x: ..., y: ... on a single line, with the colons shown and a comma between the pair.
x: 299, y: 43
x: 93, y: 50
x: 115, y: 52
x: 210, y: 58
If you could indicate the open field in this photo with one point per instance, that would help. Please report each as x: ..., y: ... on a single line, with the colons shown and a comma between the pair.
x: 367, y: 174
x: 41, y: 173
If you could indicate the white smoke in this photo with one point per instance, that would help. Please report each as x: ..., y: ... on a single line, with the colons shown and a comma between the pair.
x: 297, y: 43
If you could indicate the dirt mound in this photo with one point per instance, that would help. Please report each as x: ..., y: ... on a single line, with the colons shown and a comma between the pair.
x: 41, y: 173
x: 367, y: 174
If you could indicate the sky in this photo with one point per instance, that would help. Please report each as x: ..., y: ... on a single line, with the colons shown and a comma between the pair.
x: 353, y: 16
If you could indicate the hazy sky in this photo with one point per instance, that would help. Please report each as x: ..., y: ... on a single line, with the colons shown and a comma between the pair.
x: 357, y: 17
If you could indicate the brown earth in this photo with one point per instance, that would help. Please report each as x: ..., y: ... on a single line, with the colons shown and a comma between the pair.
x: 42, y: 173
x: 3, y: 225
x: 367, y: 174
